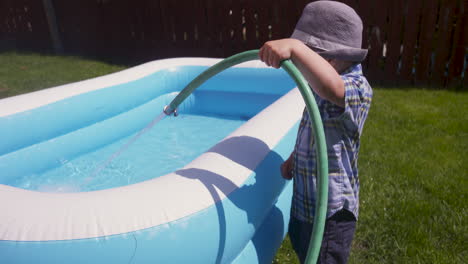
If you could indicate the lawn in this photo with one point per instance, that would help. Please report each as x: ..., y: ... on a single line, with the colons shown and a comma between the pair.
x: 414, y: 180
x: 23, y: 73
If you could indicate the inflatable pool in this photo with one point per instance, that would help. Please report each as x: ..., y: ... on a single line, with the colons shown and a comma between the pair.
x: 91, y: 172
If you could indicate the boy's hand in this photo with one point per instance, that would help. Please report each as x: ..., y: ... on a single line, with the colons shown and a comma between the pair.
x: 286, y: 169
x: 275, y: 51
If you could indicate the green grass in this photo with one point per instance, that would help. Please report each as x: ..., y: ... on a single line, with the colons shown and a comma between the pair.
x: 414, y: 179
x: 23, y: 73
x: 413, y: 173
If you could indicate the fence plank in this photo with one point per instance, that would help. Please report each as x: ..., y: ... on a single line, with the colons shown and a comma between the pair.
x: 198, y: 21
x: 264, y: 19
x: 412, y: 29
x: 426, y: 42
x: 144, y: 28
x: 279, y: 27
x: 53, y: 29
x: 364, y: 11
x: 154, y: 29
x: 384, y: 23
x: 377, y: 39
x: 458, y: 54
x: 393, y: 51
x: 250, y: 24
x: 235, y: 27
x: 442, y: 47
x: 464, y: 84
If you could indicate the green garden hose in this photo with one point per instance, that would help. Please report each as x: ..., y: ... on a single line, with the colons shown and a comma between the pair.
x: 321, y: 149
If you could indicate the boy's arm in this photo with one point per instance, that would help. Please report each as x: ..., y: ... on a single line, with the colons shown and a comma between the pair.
x: 320, y: 74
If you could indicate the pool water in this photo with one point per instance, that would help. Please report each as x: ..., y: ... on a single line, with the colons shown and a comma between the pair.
x: 165, y: 147
x: 94, y: 140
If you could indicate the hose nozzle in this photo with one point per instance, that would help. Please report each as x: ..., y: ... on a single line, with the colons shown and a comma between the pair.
x: 169, y: 111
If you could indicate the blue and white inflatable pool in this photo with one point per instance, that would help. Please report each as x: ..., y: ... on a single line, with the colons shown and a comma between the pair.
x: 85, y: 179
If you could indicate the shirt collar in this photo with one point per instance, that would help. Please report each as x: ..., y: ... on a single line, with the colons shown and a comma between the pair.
x: 355, y: 69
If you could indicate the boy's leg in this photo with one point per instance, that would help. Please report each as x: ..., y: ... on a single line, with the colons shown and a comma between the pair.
x: 337, y: 237
x: 299, y: 233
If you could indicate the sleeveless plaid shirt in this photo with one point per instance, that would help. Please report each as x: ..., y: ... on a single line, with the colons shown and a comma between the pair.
x: 343, y: 128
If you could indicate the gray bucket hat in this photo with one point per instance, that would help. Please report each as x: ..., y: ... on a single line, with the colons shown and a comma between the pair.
x: 332, y: 29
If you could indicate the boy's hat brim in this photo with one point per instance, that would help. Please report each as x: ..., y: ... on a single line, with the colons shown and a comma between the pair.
x: 330, y: 50
x: 332, y: 29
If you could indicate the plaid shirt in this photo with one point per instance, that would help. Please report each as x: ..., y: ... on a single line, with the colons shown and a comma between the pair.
x: 343, y: 127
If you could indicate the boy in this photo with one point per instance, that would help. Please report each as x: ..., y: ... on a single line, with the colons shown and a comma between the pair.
x: 326, y: 47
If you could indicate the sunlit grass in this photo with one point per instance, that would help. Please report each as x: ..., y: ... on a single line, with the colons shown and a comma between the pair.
x: 28, y: 72
x: 414, y: 179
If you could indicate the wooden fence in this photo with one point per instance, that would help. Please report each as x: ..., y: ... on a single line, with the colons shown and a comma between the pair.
x: 416, y: 42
